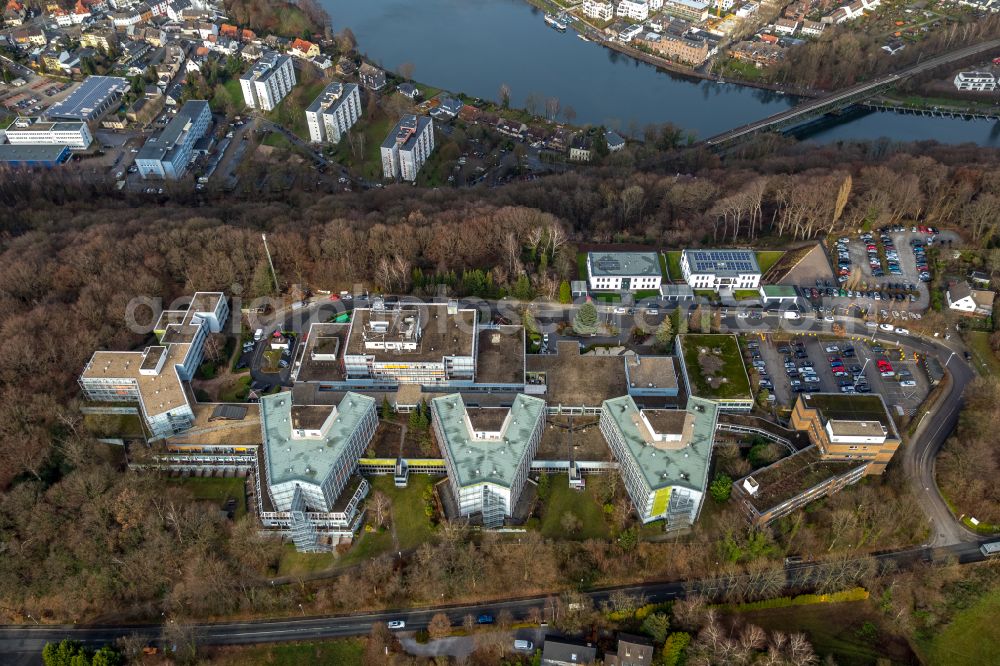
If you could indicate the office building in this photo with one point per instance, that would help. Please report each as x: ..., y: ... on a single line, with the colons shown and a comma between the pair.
x: 154, y: 376
x: 411, y: 344
x: 268, y: 81
x: 488, y: 452
x: 663, y: 455
x: 846, y: 427
x: 90, y: 100
x: 334, y: 112
x: 311, y: 458
x: 407, y: 147
x: 623, y: 271
x: 35, y: 131
x: 168, y: 154
x: 720, y: 270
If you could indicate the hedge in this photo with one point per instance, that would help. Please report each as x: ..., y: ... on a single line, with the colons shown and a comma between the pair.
x: 853, y: 594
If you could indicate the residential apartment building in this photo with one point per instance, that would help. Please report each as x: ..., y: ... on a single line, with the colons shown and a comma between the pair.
x: 978, y: 81
x: 411, y: 344
x: 35, y: 131
x: 786, y: 26
x: 602, y: 11
x: 268, y: 81
x: 720, y: 269
x: 637, y: 10
x: 310, y: 461
x: 407, y: 147
x: 371, y: 77
x: 488, y: 452
x: 154, y: 376
x: 663, y: 455
x: 100, y: 39
x: 334, y: 112
x: 695, y: 11
x: 845, y: 427
x: 623, y: 271
x: 684, y: 48
x: 168, y: 154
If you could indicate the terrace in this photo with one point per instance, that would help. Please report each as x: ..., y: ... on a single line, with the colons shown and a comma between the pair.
x: 715, y: 367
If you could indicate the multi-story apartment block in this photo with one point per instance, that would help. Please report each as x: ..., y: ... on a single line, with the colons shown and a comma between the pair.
x: 848, y: 427
x: 623, y: 271
x: 371, y: 77
x: 663, y: 456
x: 311, y: 454
x: 979, y: 81
x: 407, y: 147
x: 412, y: 344
x: 695, y: 11
x: 637, y: 10
x: 488, y: 452
x: 268, y: 81
x: 100, y: 39
x: 154, y: 376
x: 720, y: 270
x: 34, y: 131
x: 334, y: 112
x: 167, y: 155
x: 602, y: 11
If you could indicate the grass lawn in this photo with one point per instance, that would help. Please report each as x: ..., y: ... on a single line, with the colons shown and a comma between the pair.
x: 746, y: 294
x: 339, y: 652
x: 375, y: 131
x: 278, y: 140
x: 228, y: 94
x: 986, y: 361
x: 291, y: 111
x: 294, y: 563
x: 582, y: 504
x: 113, y: 425
x: 237, y: 391
x: 581, y: 265
x: 211, y: 489
x: 768, y: 258
x: 736, y: 384
x: 674, y: 265
x: 413, y: 527
x: 971, y: 637
x: 833, y: 630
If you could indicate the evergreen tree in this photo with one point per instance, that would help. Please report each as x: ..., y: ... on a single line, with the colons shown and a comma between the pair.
x: 565, y: 292
x: 656, y: 626
x: 386, y: 409
x: 721, y: 488
x: 665, y: 332
x: 585, y: 321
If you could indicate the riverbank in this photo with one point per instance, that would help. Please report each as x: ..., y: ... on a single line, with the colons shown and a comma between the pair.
x: 591, y: 32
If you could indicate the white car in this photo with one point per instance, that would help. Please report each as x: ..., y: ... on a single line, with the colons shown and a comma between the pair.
x: 871, y: 324
x: 620, y: 311
x: 831, y: 349
x: 885, y: 327
x: 743, y: 314
x: 828, y: 318
x: 395, y: 624
x: 902, y: 331
x: 909, y: 383
x: 652, y: 313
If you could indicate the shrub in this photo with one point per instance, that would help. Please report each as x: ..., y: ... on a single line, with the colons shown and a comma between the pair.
x: 721, y: 488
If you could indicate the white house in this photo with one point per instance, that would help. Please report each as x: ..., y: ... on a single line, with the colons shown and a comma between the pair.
x: 602, y: 11
x: 720, y: 270
x: 623, y: 271
x: 963, y: 298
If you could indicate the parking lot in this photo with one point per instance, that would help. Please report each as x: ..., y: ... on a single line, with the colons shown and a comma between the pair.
x: 810, y: 364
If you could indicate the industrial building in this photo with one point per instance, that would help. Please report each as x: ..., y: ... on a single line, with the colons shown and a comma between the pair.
x: 168, y: 154
x: 624, y: 271
x: 268, y: 81
x: 311, y: 454
x: 90, y: 100
x: 334, y: 112
x: 35, y: 131
x: 407, y: 147
x: 488, y: 452
x: 663, y: 455
x: 720, y: 270
x: 33, y: 156
x: 153, y: 377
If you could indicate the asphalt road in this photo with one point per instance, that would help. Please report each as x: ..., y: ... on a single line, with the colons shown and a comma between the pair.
x: 22, y: 643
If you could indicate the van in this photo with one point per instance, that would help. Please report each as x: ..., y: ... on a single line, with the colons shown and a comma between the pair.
x: 258, y: 335
x: 524, y: 646
x: 620, y: 311
x: 792, y: 314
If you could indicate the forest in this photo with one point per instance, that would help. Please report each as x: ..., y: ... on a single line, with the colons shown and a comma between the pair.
x: 81, y: 540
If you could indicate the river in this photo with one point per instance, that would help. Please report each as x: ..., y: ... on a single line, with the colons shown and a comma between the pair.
x: 475, y: 46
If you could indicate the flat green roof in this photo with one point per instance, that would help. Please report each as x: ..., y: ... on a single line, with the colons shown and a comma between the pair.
x: 778, y: 291
x: 309, y: 459
x: 851, y: 407
x: 686, y: 467
x: 487, y: 461
x: 728, y: 380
